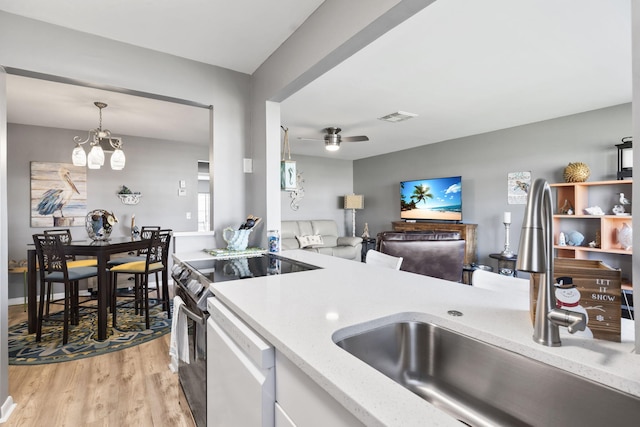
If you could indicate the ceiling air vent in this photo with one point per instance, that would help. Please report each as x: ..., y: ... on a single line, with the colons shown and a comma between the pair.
x: 399, y: 116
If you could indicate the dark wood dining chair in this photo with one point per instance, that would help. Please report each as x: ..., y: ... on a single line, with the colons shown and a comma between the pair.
x: 54, y: 269
x: 65, y: 238
x: 140, y: 255
x: 72, y: 262
x: 156, y: 258
x: 145, y: 233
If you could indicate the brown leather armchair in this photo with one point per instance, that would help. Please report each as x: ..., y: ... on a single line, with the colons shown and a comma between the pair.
x: 436, y: 253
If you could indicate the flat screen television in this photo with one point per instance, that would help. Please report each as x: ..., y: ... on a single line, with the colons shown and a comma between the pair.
x: 431, y: 199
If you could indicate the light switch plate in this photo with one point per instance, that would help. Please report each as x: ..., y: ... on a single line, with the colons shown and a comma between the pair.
x: 247, y: 165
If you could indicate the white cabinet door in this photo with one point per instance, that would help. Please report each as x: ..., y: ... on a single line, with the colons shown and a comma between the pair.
x: 240, y: 380
x: 282, y: 419
x: 304, y: 403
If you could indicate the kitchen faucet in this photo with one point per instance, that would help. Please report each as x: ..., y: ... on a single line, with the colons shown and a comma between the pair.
x: 535, y: 255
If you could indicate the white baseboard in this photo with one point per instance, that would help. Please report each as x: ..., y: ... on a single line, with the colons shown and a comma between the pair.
x: 6, y: 409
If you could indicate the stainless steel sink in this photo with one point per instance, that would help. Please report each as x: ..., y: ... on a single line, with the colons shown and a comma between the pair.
x: 483, y: 385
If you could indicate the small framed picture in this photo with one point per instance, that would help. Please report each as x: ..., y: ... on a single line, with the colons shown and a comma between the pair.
x: 288, y: 175
x: 518, y: 184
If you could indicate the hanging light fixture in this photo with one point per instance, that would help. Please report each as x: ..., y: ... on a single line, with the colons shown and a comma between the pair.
x: 95, y: 159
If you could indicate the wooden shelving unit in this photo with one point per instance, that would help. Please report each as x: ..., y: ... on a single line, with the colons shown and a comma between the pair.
x: 580, y: 196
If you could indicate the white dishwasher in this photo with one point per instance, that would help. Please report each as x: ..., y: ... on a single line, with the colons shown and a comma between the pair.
x: 240, y: 372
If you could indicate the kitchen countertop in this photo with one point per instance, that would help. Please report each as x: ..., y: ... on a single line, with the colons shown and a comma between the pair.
x: 302, y: 314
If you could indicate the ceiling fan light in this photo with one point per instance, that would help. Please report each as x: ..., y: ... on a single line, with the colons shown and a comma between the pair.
x: 331, y: 145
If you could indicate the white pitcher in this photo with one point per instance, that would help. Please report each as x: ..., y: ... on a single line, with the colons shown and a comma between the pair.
x: 237, y: 240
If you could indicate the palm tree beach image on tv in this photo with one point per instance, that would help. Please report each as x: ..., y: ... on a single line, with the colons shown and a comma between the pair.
x: 431, y: 199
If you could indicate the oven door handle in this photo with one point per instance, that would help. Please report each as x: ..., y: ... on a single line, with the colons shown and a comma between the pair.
x: 193, y: 316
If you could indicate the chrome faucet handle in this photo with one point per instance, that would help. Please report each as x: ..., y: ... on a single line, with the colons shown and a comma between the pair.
x: 573, y: 321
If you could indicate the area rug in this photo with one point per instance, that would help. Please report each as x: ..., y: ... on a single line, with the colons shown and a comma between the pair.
x: 24, y: 350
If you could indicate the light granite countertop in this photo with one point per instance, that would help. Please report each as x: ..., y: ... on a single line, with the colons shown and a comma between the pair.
x: 302, y: 314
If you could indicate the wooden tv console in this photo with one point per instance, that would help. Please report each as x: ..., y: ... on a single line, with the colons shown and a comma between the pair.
x: 467, y: 232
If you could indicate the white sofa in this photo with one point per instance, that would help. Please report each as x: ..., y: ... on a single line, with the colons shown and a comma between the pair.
x: 332, y: 244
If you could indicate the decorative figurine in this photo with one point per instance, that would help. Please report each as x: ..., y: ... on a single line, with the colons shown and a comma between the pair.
x: 365, y: 233
x: 625, y: 237
x: 624, y: 200
x: 135, y: 231
x: 618, y: 210
x: 562, y: 240
x: 574, y: 238
x: 566, y: 208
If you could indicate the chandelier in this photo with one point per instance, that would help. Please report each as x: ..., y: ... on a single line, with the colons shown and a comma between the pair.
x: 96, y: 137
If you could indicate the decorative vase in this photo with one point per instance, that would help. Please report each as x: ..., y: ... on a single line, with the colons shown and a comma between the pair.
x: 625, y: 237
x: 99, y: 224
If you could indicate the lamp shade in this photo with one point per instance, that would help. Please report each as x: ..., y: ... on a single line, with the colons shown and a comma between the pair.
x: 78, y: 156
x: 95, y: 158
x: 354, y: 201
x: 118, y: 160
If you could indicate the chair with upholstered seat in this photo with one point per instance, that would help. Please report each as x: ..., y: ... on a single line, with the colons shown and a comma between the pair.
x: 65, y: 238
x: 156, y: 257
x: 383, y: 260
x: 140, y: 255
x: 54, y: 269
x: 145, y: 233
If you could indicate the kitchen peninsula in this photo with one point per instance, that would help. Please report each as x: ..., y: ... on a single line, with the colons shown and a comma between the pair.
x: 303, y: 314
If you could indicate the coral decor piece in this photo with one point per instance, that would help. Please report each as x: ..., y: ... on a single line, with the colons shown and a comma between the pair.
x: 625, y: 237
x: 576, y: 172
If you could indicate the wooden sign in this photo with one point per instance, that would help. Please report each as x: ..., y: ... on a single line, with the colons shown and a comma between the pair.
x: 594, y: 290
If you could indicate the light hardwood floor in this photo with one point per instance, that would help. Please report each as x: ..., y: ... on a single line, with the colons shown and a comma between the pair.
x: 132, y: 387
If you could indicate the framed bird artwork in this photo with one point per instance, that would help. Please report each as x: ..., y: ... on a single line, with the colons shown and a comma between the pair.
x: 518, y: 187
x: 58, y: 195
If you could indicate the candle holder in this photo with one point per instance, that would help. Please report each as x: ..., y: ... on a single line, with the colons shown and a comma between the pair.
x: 507, y: 252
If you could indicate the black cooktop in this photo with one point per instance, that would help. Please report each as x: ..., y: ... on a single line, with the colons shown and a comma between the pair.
x: 268, y: 264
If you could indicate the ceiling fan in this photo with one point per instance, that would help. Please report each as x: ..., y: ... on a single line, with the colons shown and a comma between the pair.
x: 332, y: 139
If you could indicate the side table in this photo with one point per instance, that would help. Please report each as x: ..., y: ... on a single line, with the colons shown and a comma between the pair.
x: 367, y: 243
x: 506, y: 265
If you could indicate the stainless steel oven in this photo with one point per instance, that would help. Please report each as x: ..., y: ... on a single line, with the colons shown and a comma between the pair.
x: 191, y: 280
x: 194, y: 292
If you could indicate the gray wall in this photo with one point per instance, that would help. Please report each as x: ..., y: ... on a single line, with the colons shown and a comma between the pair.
x: 36, y: 46
x: 152, y: 168
x: 483, y: 161
x: 326, y: 181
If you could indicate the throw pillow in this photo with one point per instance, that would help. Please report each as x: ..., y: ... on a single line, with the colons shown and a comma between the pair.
x: 310, y: 241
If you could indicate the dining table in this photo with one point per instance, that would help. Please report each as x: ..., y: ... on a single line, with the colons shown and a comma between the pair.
x: 102, y: 250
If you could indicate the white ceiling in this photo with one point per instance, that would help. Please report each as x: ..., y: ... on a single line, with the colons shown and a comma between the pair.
x: 464, y: 66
